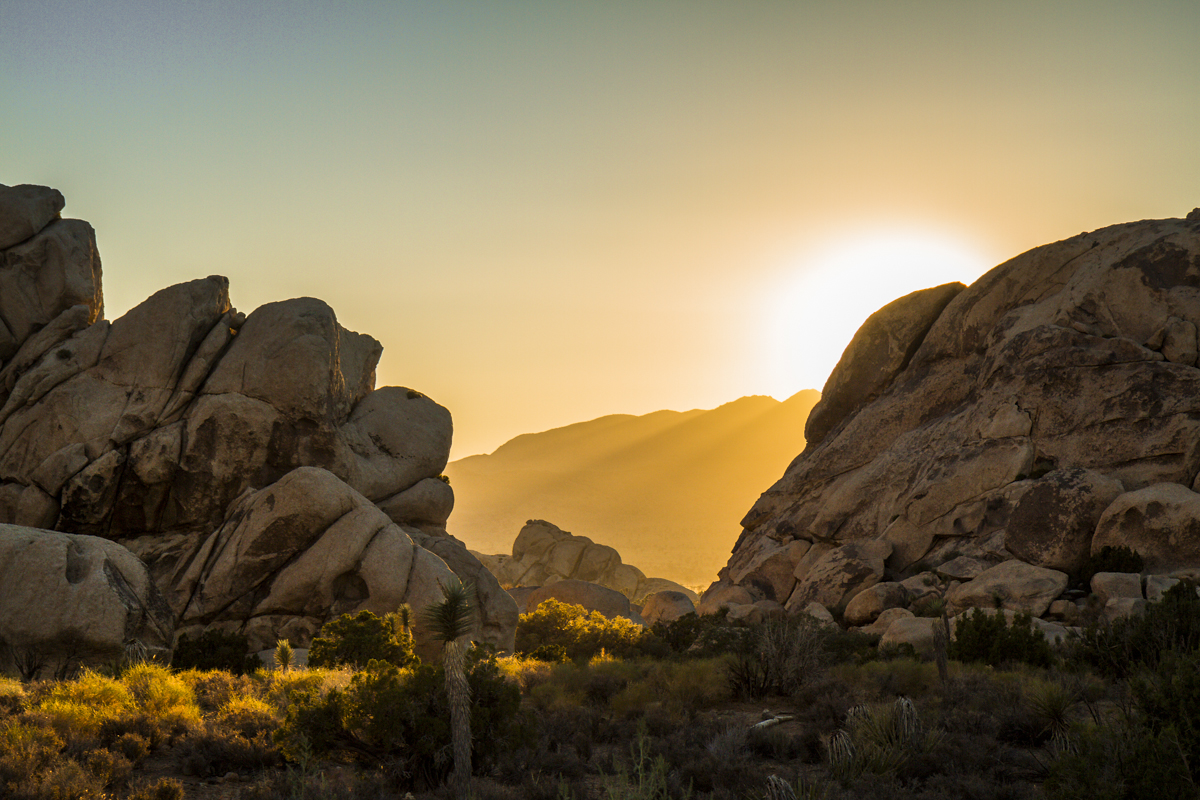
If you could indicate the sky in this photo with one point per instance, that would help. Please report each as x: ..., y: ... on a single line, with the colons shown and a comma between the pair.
x: 551, y: 211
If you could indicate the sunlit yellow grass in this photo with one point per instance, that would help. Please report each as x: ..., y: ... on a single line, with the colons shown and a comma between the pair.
x: 674, y: 687
x: 81, y: 706
x: 281, y: 688
x: 214, y: 688
x: 527, y: 672
x: 10, y: 690
x: 162, y: 695
x: 247, y: 715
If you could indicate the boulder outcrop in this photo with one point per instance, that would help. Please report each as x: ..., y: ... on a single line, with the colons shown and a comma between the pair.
x: 72, y: 601
x: 543, y: 554
x: 1000, y: 434
x: 179, y: 429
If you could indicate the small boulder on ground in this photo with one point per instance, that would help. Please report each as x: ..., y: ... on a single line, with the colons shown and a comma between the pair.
x: 1013, y: 585
x: 915, y: 631
x: 868, y: 604
x: 723, y: 595
x: 840, y: 574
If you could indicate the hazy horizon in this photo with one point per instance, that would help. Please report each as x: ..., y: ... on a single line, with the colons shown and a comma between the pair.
x: 551, y: 212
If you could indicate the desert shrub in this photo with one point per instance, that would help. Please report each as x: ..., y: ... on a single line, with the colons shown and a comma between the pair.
x: 880, y: 740
x: 247, y: 716
x: 527, y: 671
x: 66, y: 780
x: 696, y: 636
x: 645, y: 777
x: 1124, y: 761
x: 403, y: 714
x: 215, y: 688
x: 217, y: 749
x: 550, y: 653
x: 780, y: 744
x: 26, y: 751
x: 283, y: 689
x: 580, y: 635
x: 162, y: 789
x: 1168, y: 698
x: 215, y: 649
x: 900, y: 677
x: 110, y: 770
x: 1120, y: 558
x: 990, y: 639
x: 80, y: 708
x: 676, y: 689
x: 1128, y: 644
x: 781, y: 657
x: 162, y: 696
x: 843, y: 646
x: 131, y: 745
x: 356, y: 639
x: 12, y: 696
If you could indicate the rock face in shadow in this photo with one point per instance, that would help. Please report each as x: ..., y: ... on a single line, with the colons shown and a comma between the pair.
x: 73, y: 601
x: 1009, y: 421
x: 545, y: 554
x: 170, y: 429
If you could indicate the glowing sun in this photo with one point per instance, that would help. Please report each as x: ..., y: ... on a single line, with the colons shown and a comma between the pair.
x: 829, y: 291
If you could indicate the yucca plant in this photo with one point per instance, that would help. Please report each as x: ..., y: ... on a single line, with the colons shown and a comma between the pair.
x: 879, y: 740
x: 449, y: 622
x: 283, y: 654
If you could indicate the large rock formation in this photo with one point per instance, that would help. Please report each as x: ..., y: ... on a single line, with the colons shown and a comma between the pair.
x: 71, y: 601
x: 544, y: 554
x: 1020, y: 424
x: 187, y: 431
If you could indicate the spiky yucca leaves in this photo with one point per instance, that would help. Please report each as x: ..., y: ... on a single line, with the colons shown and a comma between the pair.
x: 878, y: 739
x: 283, y: 654
x: 449, y: 622
x: 404, y: 618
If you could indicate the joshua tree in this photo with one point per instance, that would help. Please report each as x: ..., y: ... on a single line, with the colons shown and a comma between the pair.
x: 449, y: 621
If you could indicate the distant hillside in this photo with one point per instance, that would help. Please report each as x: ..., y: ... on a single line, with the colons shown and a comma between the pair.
x: 667, y: 490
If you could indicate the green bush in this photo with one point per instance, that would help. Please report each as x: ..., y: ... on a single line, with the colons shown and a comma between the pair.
x: 1122, y: 762
x: 1169, y: 700
x: 1130, y: 643
x: 580, y: 634
x: 356, y: 639
x: 988, y: 638
x: 216, y: 649
x: 402, y: 716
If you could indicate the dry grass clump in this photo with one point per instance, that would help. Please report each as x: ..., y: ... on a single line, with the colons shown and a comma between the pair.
x: 281, y: 689
x: 79, y: 708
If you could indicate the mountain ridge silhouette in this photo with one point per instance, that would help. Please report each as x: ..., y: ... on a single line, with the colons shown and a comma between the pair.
x: 667, y: 489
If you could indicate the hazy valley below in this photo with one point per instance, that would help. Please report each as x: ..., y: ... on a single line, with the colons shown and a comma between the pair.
x: 667, y: 490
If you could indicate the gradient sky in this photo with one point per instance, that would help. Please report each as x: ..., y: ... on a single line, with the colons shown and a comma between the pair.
x: 547, y: 212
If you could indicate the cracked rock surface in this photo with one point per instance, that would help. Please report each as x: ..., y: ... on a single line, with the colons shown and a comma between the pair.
x: 247, y: 460
x: 1047, y: 410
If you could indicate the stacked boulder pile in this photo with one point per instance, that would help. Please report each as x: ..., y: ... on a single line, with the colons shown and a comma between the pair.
x: 983, y: 442
x: 548, y: 562
x: 251, y: 473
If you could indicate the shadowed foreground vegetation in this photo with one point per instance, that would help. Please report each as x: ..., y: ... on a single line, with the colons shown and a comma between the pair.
x: 596, y: 709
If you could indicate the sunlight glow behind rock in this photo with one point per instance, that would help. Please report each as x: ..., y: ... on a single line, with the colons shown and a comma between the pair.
x: 832, y: 289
